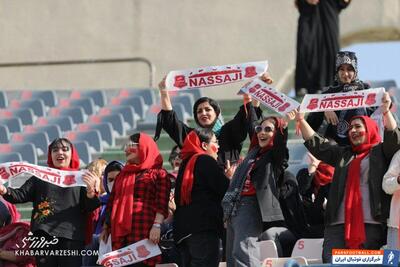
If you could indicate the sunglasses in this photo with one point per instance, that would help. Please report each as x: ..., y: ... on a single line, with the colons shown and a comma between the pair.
x: 266, y: 129
x: 130, y: 145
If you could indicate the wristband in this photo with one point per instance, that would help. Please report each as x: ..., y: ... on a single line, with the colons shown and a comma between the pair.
x: 156, y: 225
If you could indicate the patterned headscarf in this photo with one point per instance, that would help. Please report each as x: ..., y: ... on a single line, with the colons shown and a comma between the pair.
x: 346, y: 57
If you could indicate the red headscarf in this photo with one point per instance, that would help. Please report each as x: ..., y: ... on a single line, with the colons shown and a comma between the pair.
x: 191, y: 150
x: 124, y: 186
x: 323, y: 175
x: 73, y: 165
x: 354, y: 217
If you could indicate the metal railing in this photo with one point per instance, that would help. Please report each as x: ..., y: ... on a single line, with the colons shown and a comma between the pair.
x: 150, y: 65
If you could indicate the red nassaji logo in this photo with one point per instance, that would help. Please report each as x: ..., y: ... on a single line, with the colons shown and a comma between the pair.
x: 283, y: 107
x: 250, y: 71
x: 4, y: 174
x: 371, y: 99
x: 180, y: 81
x: 313, y: 104
x: 142, y: 251
x: 69, y: 180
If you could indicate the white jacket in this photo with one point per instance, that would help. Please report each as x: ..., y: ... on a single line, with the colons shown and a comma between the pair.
x: 392, y: 187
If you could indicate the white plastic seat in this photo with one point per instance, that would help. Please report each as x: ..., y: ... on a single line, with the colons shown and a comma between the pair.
x: 310, y: 248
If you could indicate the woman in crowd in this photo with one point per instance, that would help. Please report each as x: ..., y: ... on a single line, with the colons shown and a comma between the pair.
x: 357, y: 207
x: 12, y: 233
x: 207, y: 114
x: 58, y: 213
x: 346, y: 79
x: 391, y: 185
x: 251, y: 204
x: 200, y: 186
x: 139, y: 200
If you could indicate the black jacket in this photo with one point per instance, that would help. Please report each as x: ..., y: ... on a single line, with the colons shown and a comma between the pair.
x: 204, y: 213
x: 58, y: 211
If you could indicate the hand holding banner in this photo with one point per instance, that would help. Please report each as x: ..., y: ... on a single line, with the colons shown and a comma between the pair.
x: 214, y: 75
x: 137, y: 252
x: 269, y: 97
x: 342, y: 101
x: 57, y: 177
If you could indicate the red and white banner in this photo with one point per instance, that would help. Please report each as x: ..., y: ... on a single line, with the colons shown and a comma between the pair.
x: 57, y: 177
x: 137, y: 252
x: 342, y: 101
x: 269, y: 97
x: 214, y: 75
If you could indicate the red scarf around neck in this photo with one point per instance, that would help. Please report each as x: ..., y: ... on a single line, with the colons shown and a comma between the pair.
x: 354, y: 217
x: 191, y: 150
x: 124, y: 186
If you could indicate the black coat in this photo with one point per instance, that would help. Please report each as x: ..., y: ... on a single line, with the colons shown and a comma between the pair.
x: 204, y: 213
x: 317, y: 43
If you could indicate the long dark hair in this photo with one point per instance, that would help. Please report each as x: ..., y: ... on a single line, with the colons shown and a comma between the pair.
x: 214, y: 104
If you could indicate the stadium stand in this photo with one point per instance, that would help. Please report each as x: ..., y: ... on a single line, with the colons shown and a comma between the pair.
x: 53, y: 131
x: 83, y: 152
x: 76, y: 113
x: 116, y: 120
x: 310, y: 248
x: 86, y: 103
x: 186, y: 100
x: 136, y: 102
x: 147, y: 94
x: 9, y: 157
x: 64, y: 122
x: 105, y: 129
x: 92, y: 137
x: 49, y: 97
x: 13, y: 124
x: 3, y: 99
x: 25, y: 114
x: 39, y: 139
x: 27, y: 151
x: 4, y: 134
x: 127, y: 112
x: 98, y: 96
x: 36, y: 105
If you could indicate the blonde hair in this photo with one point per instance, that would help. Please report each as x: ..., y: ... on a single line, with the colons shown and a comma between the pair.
x: 97, y: 167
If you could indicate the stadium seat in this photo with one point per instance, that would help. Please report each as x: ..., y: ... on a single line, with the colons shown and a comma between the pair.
x: 86, y: 103
x: 13, y: 124
x: 280, y: 262
x: 180, y: 112
x: 4, y: 134
x: 25, y: 114
x: 116, y: 120
x: 98, y: 96
x: 3, y: 99
x: 310, y: 248
x: 92, y: 137
x: 37, y: 106
x: 136, y: 102
x: 27, y: 151
x: 268, y: 249
x: 297, y: 151
x: 295, y: 167
x: 9, y: 157
x: 150, y: 120
x: 53, y: 131
x: 39, y: 139
x: 148, y: 95
x: 76, y: 113
x: 105, y: 129
x: 64, y: 122
x: 127, y: 112
x: 186, y: 100
x: 49, y: 97
x: 196, y: 93
x: 83, y: 151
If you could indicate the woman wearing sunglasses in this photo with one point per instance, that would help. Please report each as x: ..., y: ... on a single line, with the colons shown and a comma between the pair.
x: 251, y: 203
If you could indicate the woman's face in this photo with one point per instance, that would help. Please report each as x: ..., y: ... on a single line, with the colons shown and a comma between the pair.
x: 206, y: 115
x: 346, y: 73
x: 357, y: 132
x: 61, y: 155
x: 110, y: 179
x: 212, y: 147
x: 132, y: 152
x: 265, y: 132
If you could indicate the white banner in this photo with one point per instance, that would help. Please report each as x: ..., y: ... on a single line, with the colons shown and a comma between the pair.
x: 57, y: 177
x: 214, y: 75
x: 342, y: 101
x: 269, y: 97
x: 137, y: 252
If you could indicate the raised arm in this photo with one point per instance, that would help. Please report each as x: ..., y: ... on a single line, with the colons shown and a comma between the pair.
x: 164, y: 96
x: 306, y: 131
x: 389, y: 121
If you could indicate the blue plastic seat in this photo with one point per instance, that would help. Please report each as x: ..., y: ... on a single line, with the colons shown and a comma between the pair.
x: 37, y: 106
x: 39, y: 139
x: 86, y: 103
x: 92, y: 137
x: 387, y: 84
x: 196, y: 93
x: 181, y: 112
x: 25, y: 114
x: 83, y: 151
x: 98, y: 96
x: 4, y: 134
x: 136, y: 102
x: 64, y: 122
x: 297, y: 152
x: 13, y: 124
x: 186, y: 100
x: 76, y: 113
x: 105, y: 129
x: 27, y: 151
x: 49, y: 97
x: 116, y: 120
x: 53, y: 131
x: 9, y: 157
x: 3, y: 99
x: 147, y: 94
x: 127, y: 112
